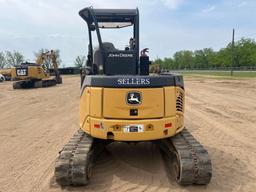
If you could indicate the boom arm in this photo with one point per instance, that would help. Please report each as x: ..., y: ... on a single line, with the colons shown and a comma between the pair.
x: 55, y: 66
x: 42, y: 57
x: 52, y: 55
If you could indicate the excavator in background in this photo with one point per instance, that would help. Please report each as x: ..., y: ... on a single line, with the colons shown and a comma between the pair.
x: 120, y: 101
x: 155, y: 68
x: 35, y: 75
x: 7, y: 73
x: 2, y: 78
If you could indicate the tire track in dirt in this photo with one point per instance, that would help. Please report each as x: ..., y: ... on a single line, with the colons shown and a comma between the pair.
x: 31, y: 138
x: 231, y: 148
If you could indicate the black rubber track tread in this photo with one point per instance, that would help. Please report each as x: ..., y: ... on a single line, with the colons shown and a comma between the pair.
x: 23, y: 84
x: 194, y: 162
x: 48, y: 83
x: 27, y: 84
x: 74, y: 160
x: 17, y: 85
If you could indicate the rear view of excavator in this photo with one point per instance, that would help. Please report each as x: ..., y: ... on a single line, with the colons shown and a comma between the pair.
x: 35, y: 75
x: 121, y: 101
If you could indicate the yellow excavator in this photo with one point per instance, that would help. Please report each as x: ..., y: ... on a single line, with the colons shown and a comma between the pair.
x: 35, y: 75
x: 7, y: 73
x: 2, y: 78
x: 121, y: 101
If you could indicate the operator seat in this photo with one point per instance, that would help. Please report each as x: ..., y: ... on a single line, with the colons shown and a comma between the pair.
x: 97, y: 58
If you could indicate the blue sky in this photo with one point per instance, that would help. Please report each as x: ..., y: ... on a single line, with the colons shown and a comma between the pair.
x: 166, y: 26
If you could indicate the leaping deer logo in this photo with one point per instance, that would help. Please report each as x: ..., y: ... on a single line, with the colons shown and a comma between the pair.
x: 133, y: 98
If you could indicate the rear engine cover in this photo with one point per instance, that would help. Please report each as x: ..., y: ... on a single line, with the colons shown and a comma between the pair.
x: 125, y: 103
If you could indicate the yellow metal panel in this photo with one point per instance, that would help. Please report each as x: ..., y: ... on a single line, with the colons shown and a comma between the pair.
x: 115, y: 105
x: 6, y: 72
x: 86, y: 126
x: 170, y: 101
x: 157, y: 131
x: 85, y: 107
x: 96, y: 102
x: 104, y: 113
x: 179, y: 122
x: 34, y: 72
x: 13, y: 72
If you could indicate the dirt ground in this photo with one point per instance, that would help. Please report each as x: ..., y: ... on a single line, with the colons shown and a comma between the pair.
x: 36, y: 123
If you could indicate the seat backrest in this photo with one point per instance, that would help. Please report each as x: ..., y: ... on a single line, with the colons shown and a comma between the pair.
x: 97, y: 58
x: 118, y: 62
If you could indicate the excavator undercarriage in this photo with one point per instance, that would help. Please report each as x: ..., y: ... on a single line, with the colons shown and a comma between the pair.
x: 30, y: 83
x: 185, y: 159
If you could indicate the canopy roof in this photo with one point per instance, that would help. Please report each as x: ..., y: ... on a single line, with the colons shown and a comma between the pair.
x: 110, y: 18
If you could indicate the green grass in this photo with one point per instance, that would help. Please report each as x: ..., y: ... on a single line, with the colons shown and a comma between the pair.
x: 221, y: 74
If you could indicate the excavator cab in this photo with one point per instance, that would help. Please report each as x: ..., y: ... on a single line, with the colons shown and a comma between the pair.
x: 107, y: 59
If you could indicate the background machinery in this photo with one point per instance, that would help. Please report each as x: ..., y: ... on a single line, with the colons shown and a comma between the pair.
x: 35, y: 75
x: 2, y: 78
x: 7, y: 73
x: 120, y: 101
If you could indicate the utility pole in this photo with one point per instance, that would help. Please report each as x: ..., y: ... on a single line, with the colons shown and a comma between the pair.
x: 233, y: 52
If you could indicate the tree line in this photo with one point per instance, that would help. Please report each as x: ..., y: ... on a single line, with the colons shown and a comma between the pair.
x: 13, y: 58
x: 10, y: 58
x: 207, y: 58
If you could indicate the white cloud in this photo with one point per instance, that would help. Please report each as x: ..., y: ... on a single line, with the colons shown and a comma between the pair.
x: 28, y: 25
x: 172, y: 4
x: 209, y: 9
x: 114, y: 3
x: 243, y: 3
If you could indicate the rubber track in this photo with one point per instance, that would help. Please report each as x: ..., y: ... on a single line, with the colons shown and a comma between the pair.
x: 23, y: 84
x: 48, y: 83
x: 27, y: 84
x: 74, y: 160
x: 194, y: 162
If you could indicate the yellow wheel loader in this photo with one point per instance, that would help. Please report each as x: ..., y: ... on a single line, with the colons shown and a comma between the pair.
x: 35, y: 75
x: 121, y: 102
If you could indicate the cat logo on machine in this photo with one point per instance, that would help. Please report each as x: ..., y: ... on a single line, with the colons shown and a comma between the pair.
x: 133, y: 98
x: 22, y: 72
